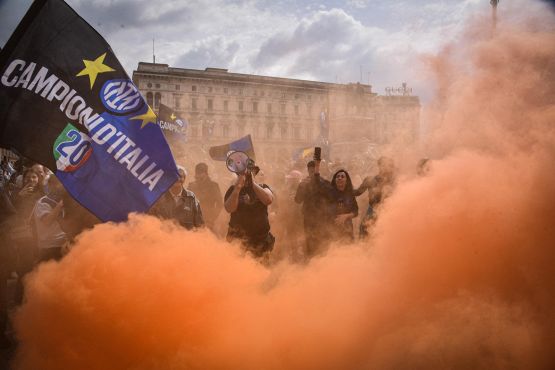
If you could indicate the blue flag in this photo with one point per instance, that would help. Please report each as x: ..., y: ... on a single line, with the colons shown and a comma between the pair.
x: 70, y: 105
x: 244, y: 144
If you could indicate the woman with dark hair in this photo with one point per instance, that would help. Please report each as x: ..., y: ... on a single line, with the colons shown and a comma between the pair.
x: 343, y: 206
x: 30, y: 192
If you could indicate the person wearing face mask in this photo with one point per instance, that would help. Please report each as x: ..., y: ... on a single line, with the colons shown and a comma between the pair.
x: 343, y: 206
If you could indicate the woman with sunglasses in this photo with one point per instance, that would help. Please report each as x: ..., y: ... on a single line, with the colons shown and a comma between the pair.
x: 343, y: 206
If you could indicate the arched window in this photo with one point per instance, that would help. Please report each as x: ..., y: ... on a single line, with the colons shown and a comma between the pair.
x: 149, y: 98
x: 157, y: 98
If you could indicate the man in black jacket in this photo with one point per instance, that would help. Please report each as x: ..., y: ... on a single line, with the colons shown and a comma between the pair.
x: 311, y: 193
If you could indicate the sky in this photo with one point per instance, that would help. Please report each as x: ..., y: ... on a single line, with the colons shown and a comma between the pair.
x: 380, y: 42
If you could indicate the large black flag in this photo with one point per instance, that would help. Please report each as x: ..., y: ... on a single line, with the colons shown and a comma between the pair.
x: 66, y: 102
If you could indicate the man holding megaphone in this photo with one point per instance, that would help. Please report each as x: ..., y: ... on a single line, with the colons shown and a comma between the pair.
x: 247, y: 201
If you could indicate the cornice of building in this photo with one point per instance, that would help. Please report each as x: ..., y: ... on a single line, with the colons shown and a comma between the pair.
x: 164, y: 70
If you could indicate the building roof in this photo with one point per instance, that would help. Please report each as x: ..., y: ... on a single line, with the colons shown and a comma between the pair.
x: 165, y: 70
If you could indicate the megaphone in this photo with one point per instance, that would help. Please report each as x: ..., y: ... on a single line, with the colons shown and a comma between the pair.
x: 238, y: 162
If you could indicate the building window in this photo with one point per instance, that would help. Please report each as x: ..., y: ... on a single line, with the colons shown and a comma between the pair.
x: 269, y: 132
x: 157, y: 99
x: 240, y: 92
x: 194, y: 132
x: 240, y: 106
x: 193, y: 88
x: 296, y: 96
x: 241, y: 130
x: 255, y: 107
x: 149, y: 99
x: 254, y: 130
x: 177, y: 87
x: 225, y: 90
x: 225, y: 105
x: 297, y: 110
x: 269, y: 108
x: 210, y: 104
x: 283, y: 132
x: 282, y: 108
x: 157, y: 86
x: 149, y: 85
x: 225, y: 130
x: 194, y: 104
x: 309, y: 97
x: 262, y: 93
x: 296, y: 133
x: 210, y: 89
x: 177, y: 102
x: 309, y: 110
x: 283, y: 95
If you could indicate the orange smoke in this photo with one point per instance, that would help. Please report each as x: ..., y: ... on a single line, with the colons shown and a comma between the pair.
x: 460, y: 273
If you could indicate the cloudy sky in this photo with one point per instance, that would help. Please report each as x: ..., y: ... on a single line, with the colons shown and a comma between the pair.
x: 329, y: 41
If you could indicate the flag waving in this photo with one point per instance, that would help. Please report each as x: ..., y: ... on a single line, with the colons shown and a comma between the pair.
x: 170, y: 122
x: 66, y: 102
x: 244, y: 144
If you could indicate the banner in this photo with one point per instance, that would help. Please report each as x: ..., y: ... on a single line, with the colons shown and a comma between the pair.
x: 244, y: 144
x: 67, y: 103
x: 170, y: 123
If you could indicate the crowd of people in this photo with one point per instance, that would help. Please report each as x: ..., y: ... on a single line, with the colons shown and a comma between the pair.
x: 39, y: 220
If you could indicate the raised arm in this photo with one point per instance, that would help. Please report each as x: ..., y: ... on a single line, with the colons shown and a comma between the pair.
x: 363, y: 187
x: 263, y: 194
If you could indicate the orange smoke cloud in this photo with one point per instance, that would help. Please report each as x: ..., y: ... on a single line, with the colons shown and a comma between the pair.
x: 460, y: 273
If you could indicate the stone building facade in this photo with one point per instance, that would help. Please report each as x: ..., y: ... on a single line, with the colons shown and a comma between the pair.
x: 281, y: 114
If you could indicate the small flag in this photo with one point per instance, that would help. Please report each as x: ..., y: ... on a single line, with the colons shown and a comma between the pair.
x: 244, y: 144
x: 303, y: 153
x: 67, y: 103
x: 170, y: 122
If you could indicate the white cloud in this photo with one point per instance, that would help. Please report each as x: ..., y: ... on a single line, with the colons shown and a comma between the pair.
x: 304, y: 39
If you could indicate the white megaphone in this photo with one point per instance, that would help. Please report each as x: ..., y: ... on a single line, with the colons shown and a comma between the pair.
x: 238, y: 162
